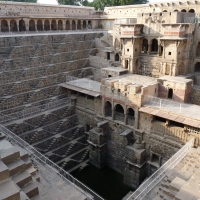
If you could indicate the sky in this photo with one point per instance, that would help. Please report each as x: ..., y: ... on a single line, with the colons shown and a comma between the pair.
x: 55, y: 2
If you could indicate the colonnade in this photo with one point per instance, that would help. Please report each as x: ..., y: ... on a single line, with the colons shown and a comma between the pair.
x: 16, y: 25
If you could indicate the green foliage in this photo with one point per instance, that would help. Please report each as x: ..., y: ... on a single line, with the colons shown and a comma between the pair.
x: 100, y: 4
x: 26, y: 1
x: 74, y: 2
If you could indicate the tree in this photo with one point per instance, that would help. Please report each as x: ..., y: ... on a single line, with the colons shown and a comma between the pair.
x: 100, y: 4
x: 74, y: 2
x: 28, y: 1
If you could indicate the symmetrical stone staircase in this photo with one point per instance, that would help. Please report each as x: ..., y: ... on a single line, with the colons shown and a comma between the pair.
x: 31, y: 71
x: 18, y: 178
x: 181, y: 183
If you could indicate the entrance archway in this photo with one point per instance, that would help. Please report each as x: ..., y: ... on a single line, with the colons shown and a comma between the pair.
x: 31, y: 25
x: 116, y: 57
x: 145, y: 45
x: 170, y: 93
x: 126, y: 64
x: 154, y: 47
x: 4, y: 26
x: 13, y: 25
x: 79, y: 25
x: 197, y: 67
x: 67, y: 25
x: 191, y: 11
x: 39, y: 25
x: 119, y: 113
x: 73, y: 25
x: 60, y: 25
x: 108, y: 109
x: 84, y: 24
x: 53, y: 25
x: 22, y: 25
x: 89, y: 24
x: 183, y: 10
x: 131, y: 117
x: 46, y: 25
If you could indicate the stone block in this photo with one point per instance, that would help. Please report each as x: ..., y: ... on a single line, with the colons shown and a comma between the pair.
x: 4, y: 172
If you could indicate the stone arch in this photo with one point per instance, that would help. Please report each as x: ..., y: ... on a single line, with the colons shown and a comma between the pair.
x: 144, y: 45
x: 108, y: 109
x: 154, y: 46
x: 73, y: 25
x: 89, y: 24
x: 31, y: 25
x: 116, y: 57
x: 39, y: 25
x: 60, y: 25
x: 84, y: 24
x: 198, y: 49
x: 13, y: 25
x: 176, y: 10
x: 67, y: 25
x: 119, y: 112
x: 191, y: 11
x: 170, y: 93
x: 4, y: 26
x: 131, y: 116
x: 197, y: 67
x: 46, y: 25
x: 22, y: 25
x: 53, y: 25
x: 79, y: 25
x: 183, y: 10
x: 164, y: 10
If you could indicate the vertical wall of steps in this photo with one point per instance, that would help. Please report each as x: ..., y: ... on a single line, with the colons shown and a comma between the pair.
x: 31, y: 70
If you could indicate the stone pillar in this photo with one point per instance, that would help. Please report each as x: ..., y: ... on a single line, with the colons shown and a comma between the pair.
x: 86, y: 24
x: 64, y: 24
x: 76, y: 24
x: 125, y: 116
x: 50, y: 25
x: 42, y: 25
x: 17, y: 26
x: 70, y: 24
x: 35, y: 26
x: 9, y: 26
x: 56, y: 25
x: 149, y: 48
x: 81, y: 24
x: 113, y: 112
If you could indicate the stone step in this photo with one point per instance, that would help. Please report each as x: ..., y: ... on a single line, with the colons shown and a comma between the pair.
x: 4, y: 172
x: 16, y: 167
x: 31, y: 170
x: 31, y: 189
x: 9, y: 155
x: 22, y: 179
x: 23, y: 196
x: 9, y: 191
x: 28, y: 163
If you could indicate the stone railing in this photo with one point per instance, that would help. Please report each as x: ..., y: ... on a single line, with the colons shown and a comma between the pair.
x: 33, y: 110
x: 41, y: 159
x: 46, y: 32
x: 155, y: 178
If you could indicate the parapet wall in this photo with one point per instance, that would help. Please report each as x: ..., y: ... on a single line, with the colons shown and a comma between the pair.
x: 35, y: 9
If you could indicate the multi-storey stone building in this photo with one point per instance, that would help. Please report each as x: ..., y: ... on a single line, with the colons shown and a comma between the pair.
x: 118, y: 87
